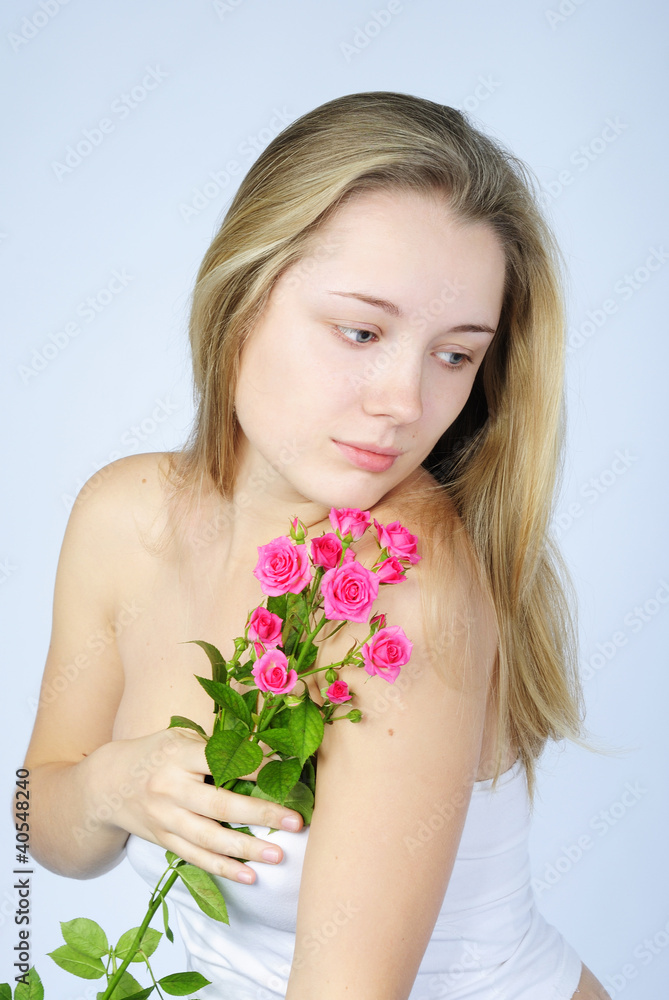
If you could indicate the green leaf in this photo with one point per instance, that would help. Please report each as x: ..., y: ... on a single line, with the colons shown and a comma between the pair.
x: 228, y: 720
x: 172, y: 857
x: 224, y: 695
x: 289, y: 803
x: 219, y: 671
x: 181, y: 983
x: 32, y: 990
x: 279, y: 720
x: 278, y: 739
x: 301, y: 799
x: 127, y: 986
x: 77, y: 963
x: 205, y: 892
x: 166, y: 917
x: 306, y: 728
x: 308, y: 776
x: 86, y: 936
x: 183, y: 723
x: 277, y: 605
x: 5, y: 991
x: 243, y: 787
x: 148, y: 944
x: 237, y: 829
x: 279, y: 777
x: 142, y: 995
x: 251, y: 700
x: 259, y: 794
x: 231, y: 754
x: 309, y: 656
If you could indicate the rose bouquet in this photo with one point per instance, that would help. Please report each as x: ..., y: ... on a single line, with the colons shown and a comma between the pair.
x: 305, y: 588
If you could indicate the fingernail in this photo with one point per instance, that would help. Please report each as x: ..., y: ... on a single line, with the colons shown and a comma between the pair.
x: 290, y: 823
x: 270, y: 854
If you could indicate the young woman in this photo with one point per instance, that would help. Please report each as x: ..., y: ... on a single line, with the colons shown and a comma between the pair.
x: 378, y: 324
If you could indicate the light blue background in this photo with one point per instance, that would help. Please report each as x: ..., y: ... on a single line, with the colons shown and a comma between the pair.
x: 546, y: 83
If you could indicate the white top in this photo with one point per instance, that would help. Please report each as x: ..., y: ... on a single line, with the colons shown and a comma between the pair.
x: 489, y: 942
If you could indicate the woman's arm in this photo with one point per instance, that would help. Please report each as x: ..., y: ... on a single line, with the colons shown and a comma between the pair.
x: 88, y: 793
x: 409, y: 766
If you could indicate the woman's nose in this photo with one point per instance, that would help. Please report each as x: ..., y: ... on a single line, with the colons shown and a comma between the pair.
x: 393, y: 387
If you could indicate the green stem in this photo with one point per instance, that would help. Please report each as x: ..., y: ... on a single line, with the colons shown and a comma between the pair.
x: 156, y: 900
x: 307, y: 642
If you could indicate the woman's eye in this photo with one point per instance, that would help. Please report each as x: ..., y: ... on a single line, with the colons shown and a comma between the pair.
x: 350, y: 333
x: 465, y: 359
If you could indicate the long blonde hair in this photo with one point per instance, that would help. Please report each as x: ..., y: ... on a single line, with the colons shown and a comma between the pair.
x: 499, y: 462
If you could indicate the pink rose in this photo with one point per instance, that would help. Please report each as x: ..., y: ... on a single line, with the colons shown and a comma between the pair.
x: 271, y: 673
x: 265, y: 626
x: 386, y: 652
x: 326, y: 550
x: 391, y: 570
x: 338, y: 692
x: 350, y: 519
x: 282, y: 567
x: 349, y: 591
x: 379, y: 620
x: 398, y: 541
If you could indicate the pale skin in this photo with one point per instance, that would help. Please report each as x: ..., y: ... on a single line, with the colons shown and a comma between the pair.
x: 325, y: 364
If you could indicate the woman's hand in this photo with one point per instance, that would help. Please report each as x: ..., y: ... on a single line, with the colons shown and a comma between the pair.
x: 160, y: 794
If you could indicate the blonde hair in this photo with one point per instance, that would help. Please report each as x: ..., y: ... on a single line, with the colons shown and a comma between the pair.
x: 497, y: 466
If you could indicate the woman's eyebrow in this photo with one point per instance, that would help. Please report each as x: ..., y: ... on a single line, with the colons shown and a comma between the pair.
x: 394, y: 310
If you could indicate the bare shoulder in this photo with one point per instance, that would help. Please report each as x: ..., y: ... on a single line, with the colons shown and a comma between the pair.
x: 133, y: 486
x: 445, y: 600
x: 121, y: 513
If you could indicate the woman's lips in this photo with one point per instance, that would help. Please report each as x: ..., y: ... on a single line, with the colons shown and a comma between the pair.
x: 372, y: 461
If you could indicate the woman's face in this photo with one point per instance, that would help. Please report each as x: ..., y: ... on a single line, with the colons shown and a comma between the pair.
x: 367, y: 351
